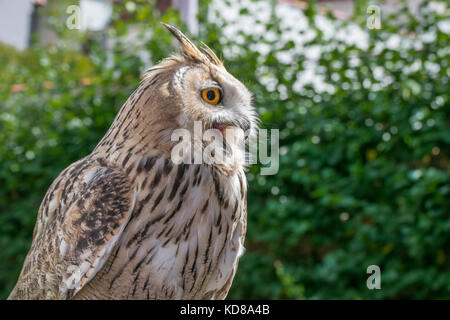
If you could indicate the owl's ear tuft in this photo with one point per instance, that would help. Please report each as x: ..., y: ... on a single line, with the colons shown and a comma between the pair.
x: 211, y: 55
x: 190, y: 50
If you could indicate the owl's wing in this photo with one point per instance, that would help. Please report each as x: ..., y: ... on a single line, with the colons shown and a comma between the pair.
x: 78, y: 238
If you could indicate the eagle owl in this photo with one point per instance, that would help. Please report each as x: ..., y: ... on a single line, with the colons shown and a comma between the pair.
x: 126, y: 222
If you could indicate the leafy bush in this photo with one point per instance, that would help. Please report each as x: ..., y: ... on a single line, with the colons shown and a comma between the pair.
x: 364, y: 175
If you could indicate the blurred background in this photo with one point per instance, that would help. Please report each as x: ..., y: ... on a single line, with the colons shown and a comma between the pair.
x: 358, y: 89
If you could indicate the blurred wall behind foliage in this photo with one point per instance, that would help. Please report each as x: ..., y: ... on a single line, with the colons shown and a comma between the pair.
x: 364, y: 165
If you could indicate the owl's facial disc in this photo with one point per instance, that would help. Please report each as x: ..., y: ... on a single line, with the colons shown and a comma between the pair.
x: 229, y: 102
x: 214, y: 97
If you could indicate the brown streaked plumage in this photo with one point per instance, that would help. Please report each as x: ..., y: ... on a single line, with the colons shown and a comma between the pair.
x: 126, y: 222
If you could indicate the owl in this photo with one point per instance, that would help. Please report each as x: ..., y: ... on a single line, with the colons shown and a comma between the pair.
x: 126, y: 221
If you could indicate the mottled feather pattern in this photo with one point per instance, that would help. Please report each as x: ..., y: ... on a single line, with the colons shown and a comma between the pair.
x: 169, y: 245
x: 126, y: 222
x: 73, y: 243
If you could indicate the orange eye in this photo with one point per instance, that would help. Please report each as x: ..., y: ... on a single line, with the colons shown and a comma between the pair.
x: 211, y: 95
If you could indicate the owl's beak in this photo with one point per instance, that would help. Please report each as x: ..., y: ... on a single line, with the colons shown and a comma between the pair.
x: 241, y: 124
x: 221, y: 127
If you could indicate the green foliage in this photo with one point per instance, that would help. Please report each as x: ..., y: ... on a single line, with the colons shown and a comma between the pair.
x: 364, y: 174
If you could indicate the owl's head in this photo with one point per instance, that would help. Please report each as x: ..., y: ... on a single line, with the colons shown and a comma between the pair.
x: 189, y: 88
